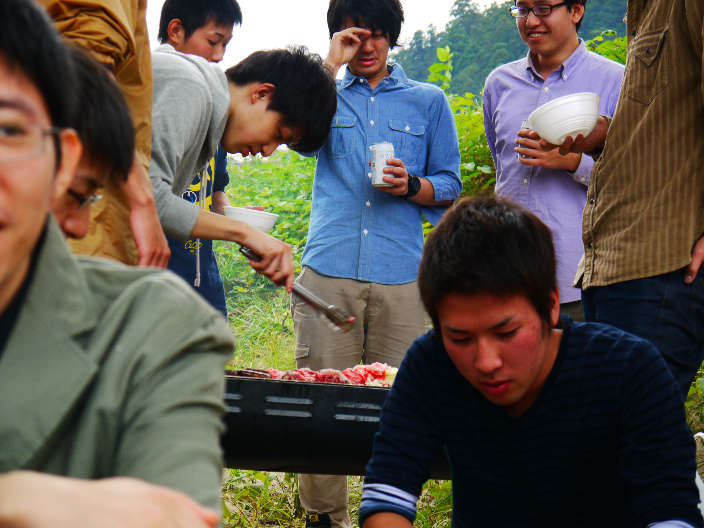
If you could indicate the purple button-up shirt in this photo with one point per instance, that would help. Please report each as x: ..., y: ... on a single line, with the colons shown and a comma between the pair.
x: 557, y: 197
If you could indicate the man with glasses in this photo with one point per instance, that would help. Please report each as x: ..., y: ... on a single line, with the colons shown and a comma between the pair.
x: 99, y: 376
x: 551, y: 185
x: 644, y: 217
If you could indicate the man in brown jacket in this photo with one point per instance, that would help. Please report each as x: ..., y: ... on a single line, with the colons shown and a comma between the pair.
x: 125, y: 225
x: 644, y: 218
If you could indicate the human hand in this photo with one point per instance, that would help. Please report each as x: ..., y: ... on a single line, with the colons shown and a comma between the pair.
x: 397, y: 176
x: 144, y: 218
x: 37, y: 500
x: 344, y: 45
x: 276, y: 261
x: 149, y: 236
x: 696, y: 262
x: 537, y: 157
x: 578, y: 144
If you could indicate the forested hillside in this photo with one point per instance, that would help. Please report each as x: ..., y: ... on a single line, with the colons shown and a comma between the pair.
x: 481, y: 40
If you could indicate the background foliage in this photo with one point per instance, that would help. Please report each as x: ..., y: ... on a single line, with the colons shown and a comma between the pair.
x: 259, y: 312
x: 481, y: 40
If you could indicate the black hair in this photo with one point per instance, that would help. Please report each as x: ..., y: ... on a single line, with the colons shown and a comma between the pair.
x: 102, y: 117
x: 569, y: 4
x: 195, y: 14
x: 305, y: 93
x: 492, y: 246
x: 376, y: 15
x: 30, y: 45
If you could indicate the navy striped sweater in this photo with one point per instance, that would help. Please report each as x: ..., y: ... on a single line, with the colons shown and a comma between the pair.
x: 605, y: 444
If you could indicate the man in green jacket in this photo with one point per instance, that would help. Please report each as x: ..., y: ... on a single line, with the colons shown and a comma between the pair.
x: 99, y: 378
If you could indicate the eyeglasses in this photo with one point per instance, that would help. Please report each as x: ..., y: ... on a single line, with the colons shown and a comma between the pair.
x: 82, y: 199
x: 540, y: 10
x: 20, y: 141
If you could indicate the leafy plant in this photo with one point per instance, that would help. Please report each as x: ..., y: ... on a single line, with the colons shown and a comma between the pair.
x: 609, y: 45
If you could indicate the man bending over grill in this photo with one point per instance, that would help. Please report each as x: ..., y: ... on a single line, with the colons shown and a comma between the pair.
x: 99, y: 378
x: 545, y: 421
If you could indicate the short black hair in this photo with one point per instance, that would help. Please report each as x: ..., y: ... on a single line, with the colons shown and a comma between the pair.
x: 305, y: 91
x: 195, y: 14
x: 102, y: 117
x: 569, y: 4
x: 377, y: 15
x: 488, y: 245
x: 29, y: 44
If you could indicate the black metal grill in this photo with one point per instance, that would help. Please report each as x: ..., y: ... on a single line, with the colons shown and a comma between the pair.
x: 298, y: 427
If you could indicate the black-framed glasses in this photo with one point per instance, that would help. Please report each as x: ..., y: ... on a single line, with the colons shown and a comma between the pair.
x: 540, y: 10
x: 82, y: 199
x: 20, y: 141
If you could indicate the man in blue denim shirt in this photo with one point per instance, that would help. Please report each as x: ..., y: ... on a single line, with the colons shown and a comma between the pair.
x: 365, y: 243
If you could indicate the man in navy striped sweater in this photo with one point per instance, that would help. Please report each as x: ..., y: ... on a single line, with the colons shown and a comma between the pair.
x: 545, y: 422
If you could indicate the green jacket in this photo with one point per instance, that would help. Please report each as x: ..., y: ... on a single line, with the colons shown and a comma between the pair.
x: 111, y: 371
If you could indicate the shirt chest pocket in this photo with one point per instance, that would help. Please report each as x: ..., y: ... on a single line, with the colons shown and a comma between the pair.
x: 408, y: 140
x: 648, y: 66
x: 342, y: 135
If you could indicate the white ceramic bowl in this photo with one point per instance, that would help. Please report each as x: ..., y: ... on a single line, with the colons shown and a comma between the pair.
x: 260, y: 219
x: 565, y: 116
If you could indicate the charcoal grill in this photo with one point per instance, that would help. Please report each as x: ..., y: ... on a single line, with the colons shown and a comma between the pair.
x: 298, y: 427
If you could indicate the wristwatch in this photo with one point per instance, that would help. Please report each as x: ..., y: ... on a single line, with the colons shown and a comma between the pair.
x: 413, y: 186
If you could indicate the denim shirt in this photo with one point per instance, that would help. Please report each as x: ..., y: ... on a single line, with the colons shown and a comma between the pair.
x: 359, y: 232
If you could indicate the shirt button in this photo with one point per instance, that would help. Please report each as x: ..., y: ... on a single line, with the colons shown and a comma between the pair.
x: 368, y: 204
x: 525, y: 180
x: 369, y: 174
x: 589, y: 245
x: 407, y: 128
x: 372, y: 99
x: 371, y: 122
x: 591, y: 201
x: 546, y: 89
x: 365, y: 232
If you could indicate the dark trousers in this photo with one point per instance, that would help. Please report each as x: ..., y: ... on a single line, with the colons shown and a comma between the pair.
x: 662, y: 309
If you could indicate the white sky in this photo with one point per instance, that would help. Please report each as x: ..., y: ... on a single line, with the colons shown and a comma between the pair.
x: 278, y: 23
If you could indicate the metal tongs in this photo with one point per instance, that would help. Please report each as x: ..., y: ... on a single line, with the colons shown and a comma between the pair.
x: 333, y: 314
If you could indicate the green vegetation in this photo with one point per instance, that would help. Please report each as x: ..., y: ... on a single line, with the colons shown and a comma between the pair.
x: 260, y: 315
x: 481, y: 40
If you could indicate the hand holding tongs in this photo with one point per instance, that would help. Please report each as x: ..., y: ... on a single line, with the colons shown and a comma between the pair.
x: 336, y: 316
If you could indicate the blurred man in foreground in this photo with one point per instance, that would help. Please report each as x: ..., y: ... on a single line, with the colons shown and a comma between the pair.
x: 99, y: 377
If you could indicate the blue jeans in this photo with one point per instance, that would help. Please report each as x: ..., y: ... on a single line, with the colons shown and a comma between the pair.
x: 662, y: 309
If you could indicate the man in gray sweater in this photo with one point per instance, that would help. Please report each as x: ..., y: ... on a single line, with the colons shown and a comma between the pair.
x: 270, y: 98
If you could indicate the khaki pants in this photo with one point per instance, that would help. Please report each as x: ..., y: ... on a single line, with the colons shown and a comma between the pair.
x: 388, y: 319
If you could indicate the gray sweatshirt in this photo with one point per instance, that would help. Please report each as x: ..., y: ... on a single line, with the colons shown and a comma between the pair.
x: 191, y: 102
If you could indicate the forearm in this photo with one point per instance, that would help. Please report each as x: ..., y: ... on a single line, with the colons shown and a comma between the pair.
x: 426, y: 195
x: 387, y: 520
x: 11, y: 499
x: 213, y: 226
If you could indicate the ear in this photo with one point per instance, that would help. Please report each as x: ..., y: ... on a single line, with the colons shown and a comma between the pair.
x: 577, y: 12
x: 71, y: 150
x: 554, y: 307
x: 261, y: 91
x: 176, y: 33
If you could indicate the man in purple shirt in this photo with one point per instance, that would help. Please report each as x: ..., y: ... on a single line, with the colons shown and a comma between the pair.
x: 552, y: 186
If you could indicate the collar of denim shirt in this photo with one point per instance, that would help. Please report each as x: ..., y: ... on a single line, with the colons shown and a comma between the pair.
x: 396, y: 76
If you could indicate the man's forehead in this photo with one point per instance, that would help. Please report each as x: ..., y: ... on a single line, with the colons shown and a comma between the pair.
x: 18, y: 93
x: 18, y: 105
